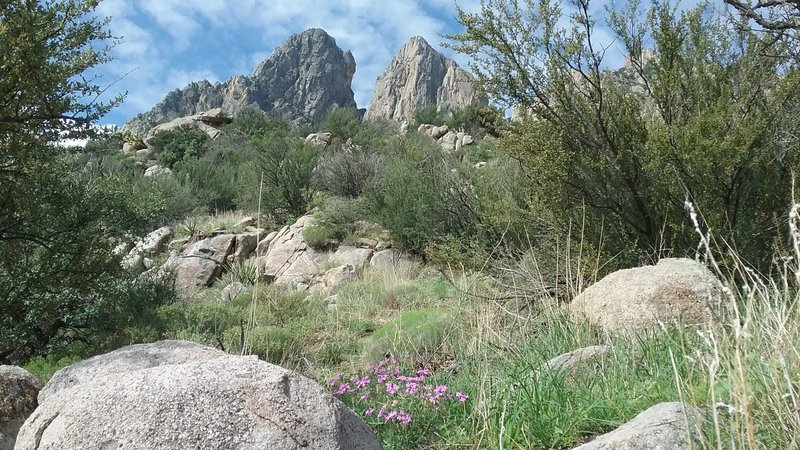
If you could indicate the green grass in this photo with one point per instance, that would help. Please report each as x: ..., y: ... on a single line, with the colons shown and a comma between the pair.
x: 493, y: 349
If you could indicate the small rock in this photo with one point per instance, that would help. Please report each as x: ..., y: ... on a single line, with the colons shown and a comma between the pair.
x: 248, y: 221
x: 566, y: 362
x: 231, y: 291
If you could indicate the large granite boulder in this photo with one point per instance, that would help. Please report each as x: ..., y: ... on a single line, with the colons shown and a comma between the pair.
x: 202, y: 262
x: 418, y: 77
x: 665, y: 426
x: 19, y: 390
x: 289, y: 260
x: 174, y: 394
x: 633, y: 300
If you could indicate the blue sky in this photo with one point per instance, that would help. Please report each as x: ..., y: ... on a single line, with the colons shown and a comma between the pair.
x: 169, y: 43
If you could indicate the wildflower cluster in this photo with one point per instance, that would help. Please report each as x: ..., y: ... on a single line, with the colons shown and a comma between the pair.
x: 388, y: 395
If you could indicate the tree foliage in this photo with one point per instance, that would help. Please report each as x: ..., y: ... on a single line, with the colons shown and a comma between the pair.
x: 697, y: 121
x: 57, y: 225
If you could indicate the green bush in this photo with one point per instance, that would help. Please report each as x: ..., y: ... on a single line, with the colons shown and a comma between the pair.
x: 346, y: 172
x: 318, y: 235
x: 342, y: 123
x: 285, y: 166
x: 176, y: 145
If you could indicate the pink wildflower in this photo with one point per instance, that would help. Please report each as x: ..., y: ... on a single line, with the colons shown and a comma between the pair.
x: 412, y: 388
x: 369, y: 411
x: 343, y: 389
x: 403, y: 417
x: 423, y: 372
x: 462, y: 397
x: 391, y: 388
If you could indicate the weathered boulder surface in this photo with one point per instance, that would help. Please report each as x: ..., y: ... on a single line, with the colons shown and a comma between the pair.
x: 302, y: 79
x: 174, y: 394
x: 665, y: 426
x: 631, y: 300
x: 418, y: 77
x: 451, y: 141
x: 289, y: 260
x: 393, y: 261
x: 202, y: 262
x: 19, y: 390
x: 337, y: 277
x: 206, y: 121
x: 319, y: 140
x: 354, y: 256
x: 157, y: 171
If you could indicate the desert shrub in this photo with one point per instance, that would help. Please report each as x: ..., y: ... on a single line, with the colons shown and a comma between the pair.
x: 414, y: 333
x: 342, y: 123
x: 285, y: 166
x: 418, y: 198
x: 318, y: 235
x: 346, y: 171
x: 701, y: 121
x: 433, y: 115
x: 178, y: 145
x: 252, y: 122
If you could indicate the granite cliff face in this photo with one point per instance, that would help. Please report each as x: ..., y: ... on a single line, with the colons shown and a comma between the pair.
x: 302, y: 79
x: 418, y: 77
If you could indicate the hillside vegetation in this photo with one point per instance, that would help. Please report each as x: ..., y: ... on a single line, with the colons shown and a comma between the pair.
x: 689, y: 150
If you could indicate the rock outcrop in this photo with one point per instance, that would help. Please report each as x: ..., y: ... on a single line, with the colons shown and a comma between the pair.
x: 419, y: 77
x: 302, y: 79
x: 631, y: 300
x: 175, y: 394
x: 19, y: 390
x: 208, y: 122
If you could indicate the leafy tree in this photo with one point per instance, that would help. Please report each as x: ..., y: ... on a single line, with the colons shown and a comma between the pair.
x: 57, y: 225
x: 695, y: 121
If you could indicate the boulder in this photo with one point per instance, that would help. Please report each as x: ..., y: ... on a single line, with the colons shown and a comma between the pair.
x: 202, y: 262
x: 154, y: 243
x: 18, y: 399
x: 263, y: 244
x: 245, y: 246
x: 157, y: 171
x: 356, y: 257
x: 632, y: 300
x: 319, y: 140
x: 248, y: 221
x: 449, y: 141
x: 665, y: 426
x: 566, y: 362
x: 392, y: 261
x: 337, y: 277
x: 291, y: 262
x: 174, y: 394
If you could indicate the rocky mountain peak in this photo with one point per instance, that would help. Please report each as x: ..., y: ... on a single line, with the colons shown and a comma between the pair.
x: 417, y: 77
x: 303, y: 78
